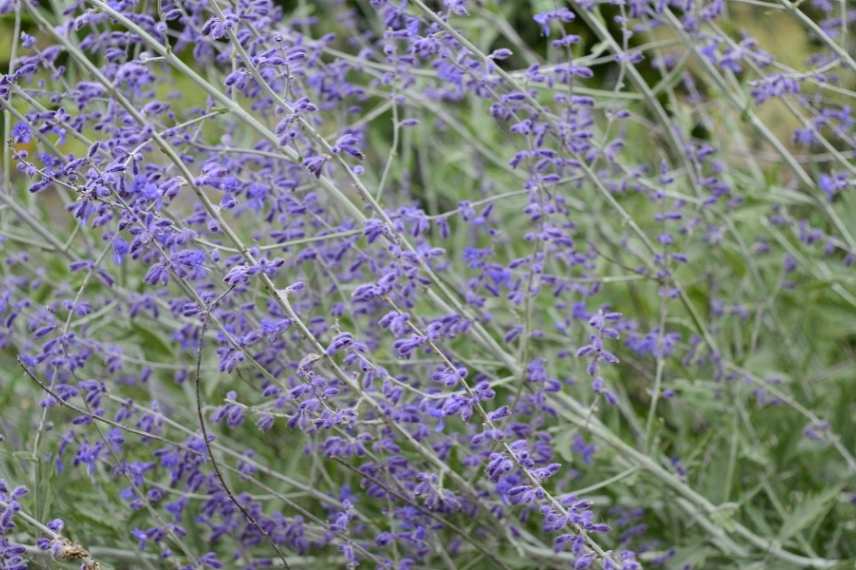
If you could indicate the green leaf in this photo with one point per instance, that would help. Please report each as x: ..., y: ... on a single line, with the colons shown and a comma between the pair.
x: 562, y: 443
x: 693, y: 556
x: 150, y: 341
x: 808, y: 511
x: 724, y: 516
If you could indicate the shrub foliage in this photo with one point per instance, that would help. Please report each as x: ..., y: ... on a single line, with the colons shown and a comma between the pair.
x: 427, y: 284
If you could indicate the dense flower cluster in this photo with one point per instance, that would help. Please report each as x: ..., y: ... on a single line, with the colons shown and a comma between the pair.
x: 404, y: 284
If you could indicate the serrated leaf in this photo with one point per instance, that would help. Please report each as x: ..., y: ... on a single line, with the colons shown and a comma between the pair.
x: 724, y: 516
x: 808, y: 511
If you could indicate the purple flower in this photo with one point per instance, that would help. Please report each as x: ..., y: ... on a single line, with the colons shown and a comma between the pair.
x: 21, y: 133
